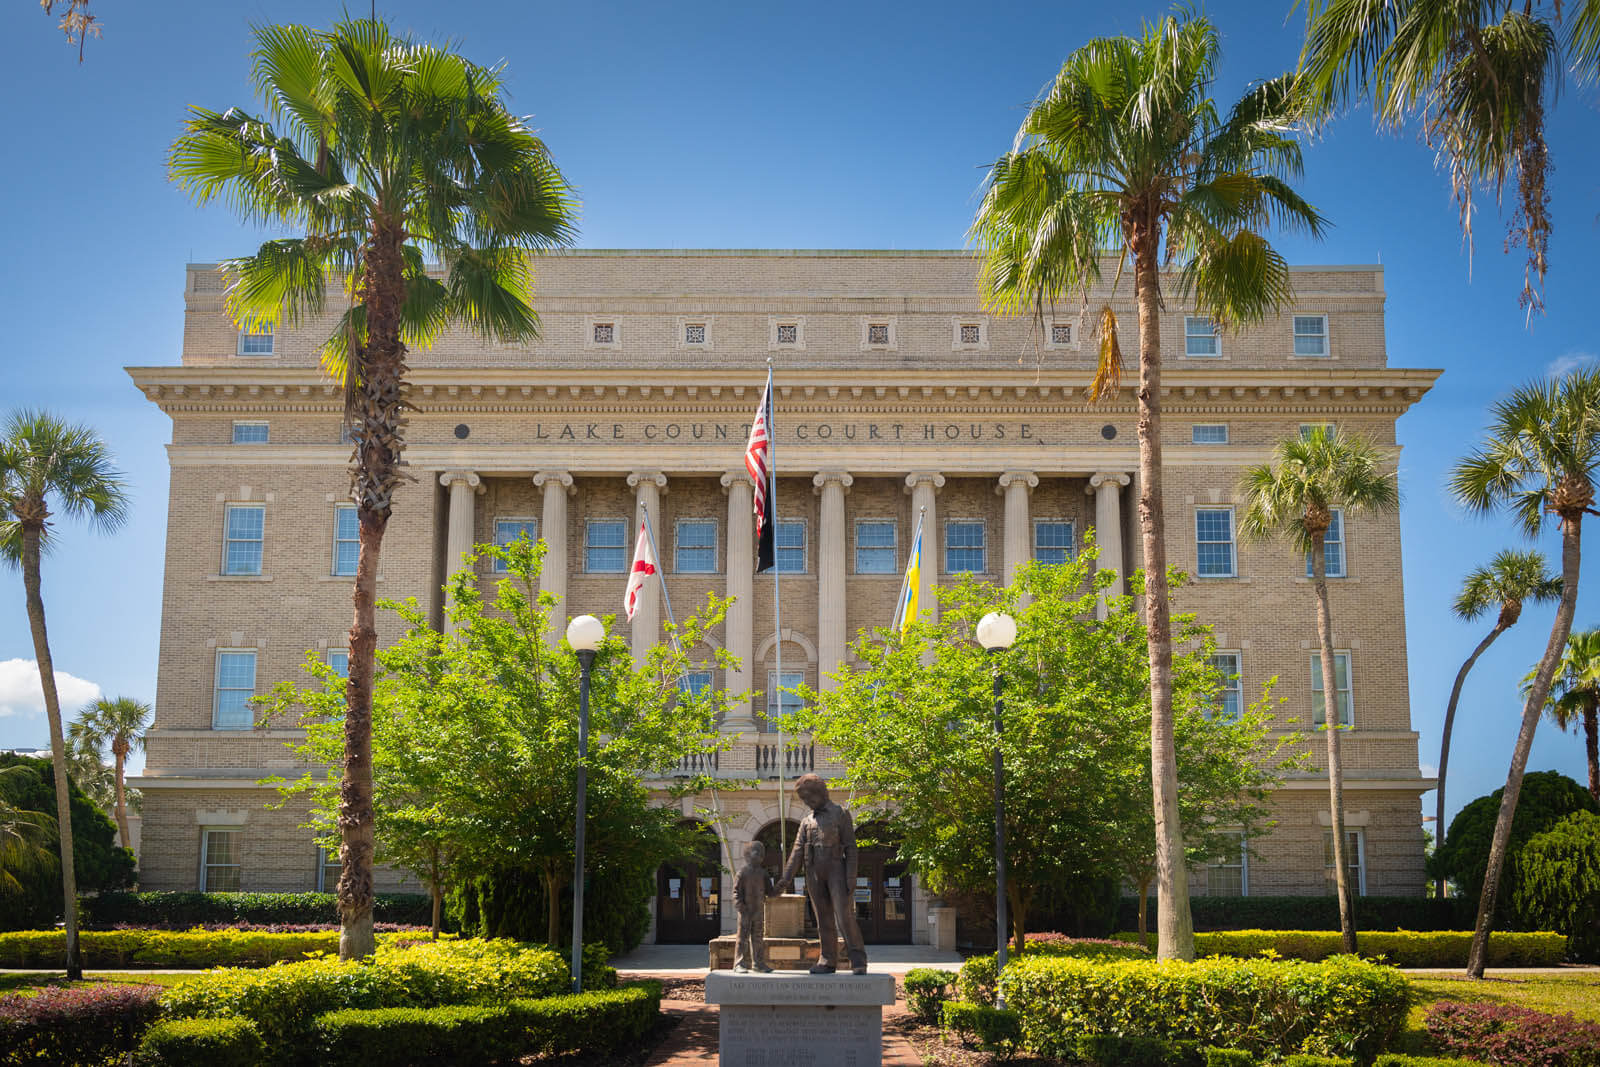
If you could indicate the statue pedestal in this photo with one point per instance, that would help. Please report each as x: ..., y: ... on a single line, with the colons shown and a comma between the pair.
x: 799, y: 1018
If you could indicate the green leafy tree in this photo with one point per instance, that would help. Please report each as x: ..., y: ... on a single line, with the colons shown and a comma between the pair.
x: 1575, y: 698
x: 26, y: 837
x: 47, y: 463
x: 1481, y: 77
x: 1292, y: 497
x: 1511, y: 579
x: 117, y: 725
x: 383, y: 153
x: 1538, y: 460
x: 1558, y: 883
x: 914, y: 725
x: 1128, y: 153
x: 476, y: 733
x: 87, y: 769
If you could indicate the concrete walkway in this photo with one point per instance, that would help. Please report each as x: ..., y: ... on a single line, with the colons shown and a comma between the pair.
x: 686, y: 960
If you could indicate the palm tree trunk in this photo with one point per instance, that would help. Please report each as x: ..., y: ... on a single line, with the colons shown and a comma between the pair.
x: 1331, y: 724
x: 1560, y: 630
x: 1174, y: 924
x: 121, y: 805
x: 1444, y: 744
x: 356, y: 939
x: 58, y: 746
x: 1591, y: 745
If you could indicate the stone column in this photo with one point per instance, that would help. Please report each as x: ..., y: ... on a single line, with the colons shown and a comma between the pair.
x: 557, y: 486
x: 647, y: 488
x: 463, y: 486
x: 1016, y: 486
x: 739, y: 625
x: 1107, y: 489
x: 924, y: 487
x: 831, y: 552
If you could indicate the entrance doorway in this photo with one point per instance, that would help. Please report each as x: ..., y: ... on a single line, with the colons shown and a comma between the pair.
x: 689, y: 897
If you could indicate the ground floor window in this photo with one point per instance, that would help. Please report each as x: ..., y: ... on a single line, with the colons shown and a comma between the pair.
x: 1229, y: 874
x: 1355, y: 859
x: 219, y: 861
x: 328, y: 868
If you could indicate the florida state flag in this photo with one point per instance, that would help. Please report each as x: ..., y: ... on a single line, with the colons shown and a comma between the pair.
x: 643, y: 569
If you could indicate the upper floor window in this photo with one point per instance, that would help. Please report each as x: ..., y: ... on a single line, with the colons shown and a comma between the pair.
x: 339, y: 660
x: 256, y: 342
x: 1209, y: 433
x: 1311, y: 335
x: 1309, y: 428
x: 875, y: 546
x: 970, y: 333
x: 694, y: 333
x: 243, y: 527
x: 1332, y: 546
x: 249, y: 433
x: 792, y: 680
x: 233, y: 689
x: 1213, y: 535
x: 877, y: 333
x: 1341, y: 682
x: 1052, y: 541
x: 1200, y: 339
x: 693, y: 683
x: 1061, y: 333
x: 1230, y: 689
x: 605, y: 333
x: 346, y: 539
x: 964, y: 547
x: 695, y: 548
x: 789, y: 546
x: 786, y: 332
x: 219, y: 861
x: 1355, y: 861
x: 1228, y: 875
x: 507, y: 531
x: 604, y: 548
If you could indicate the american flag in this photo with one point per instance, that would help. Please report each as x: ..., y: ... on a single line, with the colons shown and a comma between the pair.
x: 757, y: 461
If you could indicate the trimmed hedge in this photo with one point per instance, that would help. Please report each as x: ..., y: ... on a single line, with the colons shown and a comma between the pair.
x: 975, y: 982
x: 1303, y: 1060
x: 111, y: 949
x: 1395, y: 1059
x: 1341, y: 1006
x: 78, y: 1024
x: 182, y: 911
x: 927, y: 989
x: 983, y: 1026
x: 1513, y: 1036
x: 1404, y: 948
x: 1316, y: 913
x: 185, y: 1042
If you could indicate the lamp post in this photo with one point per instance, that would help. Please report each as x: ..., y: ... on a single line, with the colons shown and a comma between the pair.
x: 997, y: 631
x: 584, y: 634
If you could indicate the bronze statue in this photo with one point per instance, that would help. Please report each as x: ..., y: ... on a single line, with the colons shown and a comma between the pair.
x: 827, y: 843
x: 750, y: 891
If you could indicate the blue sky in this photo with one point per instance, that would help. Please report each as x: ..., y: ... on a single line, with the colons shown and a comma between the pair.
x: 736, y: 125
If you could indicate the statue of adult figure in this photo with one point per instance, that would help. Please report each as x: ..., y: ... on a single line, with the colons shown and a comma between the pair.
x: 827, y: 844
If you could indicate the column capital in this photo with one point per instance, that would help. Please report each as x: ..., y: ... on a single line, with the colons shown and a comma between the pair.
x: 449, y: 478
x: 1027, y: 479
x: 738, y: 476
x: 916, y: 478
x: 562, y: 478
x: 1111, y: 479
x: 655, y: 478
x: 822, y: 478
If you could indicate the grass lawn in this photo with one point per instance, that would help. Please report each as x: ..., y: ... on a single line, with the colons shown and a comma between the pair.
x: 1558, y: 994
x: 28, y: 981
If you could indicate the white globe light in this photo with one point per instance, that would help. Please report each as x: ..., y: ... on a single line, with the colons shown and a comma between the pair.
x: 997, y: 630
x: 585, y: 633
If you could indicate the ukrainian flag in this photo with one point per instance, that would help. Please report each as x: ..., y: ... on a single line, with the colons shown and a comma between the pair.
x: 905, y: 612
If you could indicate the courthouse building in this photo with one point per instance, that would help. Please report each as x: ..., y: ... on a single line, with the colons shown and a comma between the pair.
x: 896, y: 396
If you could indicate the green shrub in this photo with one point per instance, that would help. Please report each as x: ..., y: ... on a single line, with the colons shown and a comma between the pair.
x: 975, y: 982
x: 1546, y: 798
x: 1395, y: 1059
x: 1303, y: 1060
x: 1558, y: 883
x: 511, y: 903
x: 163, y: 948
x: 180, y: 911
x: 983, y: 1026
x: 1228, y: 1057
x: 1112, y: 1050
x: 1316, y: 913
x: 184, y: 1042
x: 1403, y: 948
x: 926, y: 991
x: 1343, y: 1005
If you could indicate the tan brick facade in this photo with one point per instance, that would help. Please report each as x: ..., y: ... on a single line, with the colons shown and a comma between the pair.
x: 892, y: 378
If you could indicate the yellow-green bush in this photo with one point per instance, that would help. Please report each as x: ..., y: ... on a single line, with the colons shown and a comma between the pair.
x: 185, y: 1042
x: 1340, y: 1007
x: 1403, y: 948
x: 164, y: 948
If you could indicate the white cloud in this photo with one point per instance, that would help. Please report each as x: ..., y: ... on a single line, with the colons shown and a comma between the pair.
x: 1570, y: 361
x: 1429, y: 770
x: 20, y: 693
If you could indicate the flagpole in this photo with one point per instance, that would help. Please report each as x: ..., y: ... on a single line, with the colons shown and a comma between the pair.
x: 777, y: 608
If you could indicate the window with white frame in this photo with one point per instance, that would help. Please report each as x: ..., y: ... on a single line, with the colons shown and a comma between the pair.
x: 219, y: 860
x: 1200, y: 340
x: 695, y: 546
x: 604, y: 547
x: 789, y: 546
x: 346, y: 539
x: 1355, y: 861
x: 693, y: 683
x: 1341, y: 683
x: 1332, y: 546
x: 249, y: 433
x: 243, y: 527
x: 876, y: 546
x: 234, y: 686
x: 508, y: 530
x: 1230, y: 687
x: 328, y: 868
x: 1213, y: 537
x: 1309, y: 428
x: 338, y: 659
x: 1311, y: 335
x: 1209, y: 433
x: 792, y: 680
x: 1228, y: 875
x: 256, y: 342
x: 964, y: 546
x: 1052, y: 541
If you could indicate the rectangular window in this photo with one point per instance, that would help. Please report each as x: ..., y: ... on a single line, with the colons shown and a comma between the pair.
x: 243, y: 528
x: 788, y: 333
x: 328, y: 868
x: 508, y: 530
x: 1061, y: 333
x: 1332, y: 547
x: 789, y: 547
x: 1230, y: 691
x: 605, y: 333
x: 339, y: 660
x: 695, y: 547
x: 1355, y: 861
x: 694, y: 682
x: 249, y: 433
x: 694, y: 333
x: 963, y: 547
x: 877, y: 333
x: 346, y: 539
x: 256, y: 342
x: 1311, y: 335
x: 1229, y: 874
x: 875, y: 546
x: 1200, y: 339
x: 235, y: 685
x: 1309, y: 428
x: 1213, y: 535
x: 792, y: 680
x: 1341, y: 682
x: 604, y: 551
x: 1209, y: 433
x: 1052, y: 541
x: 219, y: 861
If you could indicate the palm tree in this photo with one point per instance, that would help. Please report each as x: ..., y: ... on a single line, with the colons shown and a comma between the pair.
x: 46, y: 461
x: 118, y: 724
x: 87, y: 768
x: 24, y: 837
x: 385, y: 152
x: 1537, y: 460
x: 1511, y: 578
x: 1293, y: 497
x: 1575, y: 697
x: 1128, y: 152
x: 1481, y: 76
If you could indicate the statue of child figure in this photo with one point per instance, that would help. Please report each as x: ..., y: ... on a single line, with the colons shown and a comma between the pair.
x: 750, y: 890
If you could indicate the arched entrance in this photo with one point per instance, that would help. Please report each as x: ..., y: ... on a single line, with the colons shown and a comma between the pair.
x: 689, y: 897
x: 883, y: 888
